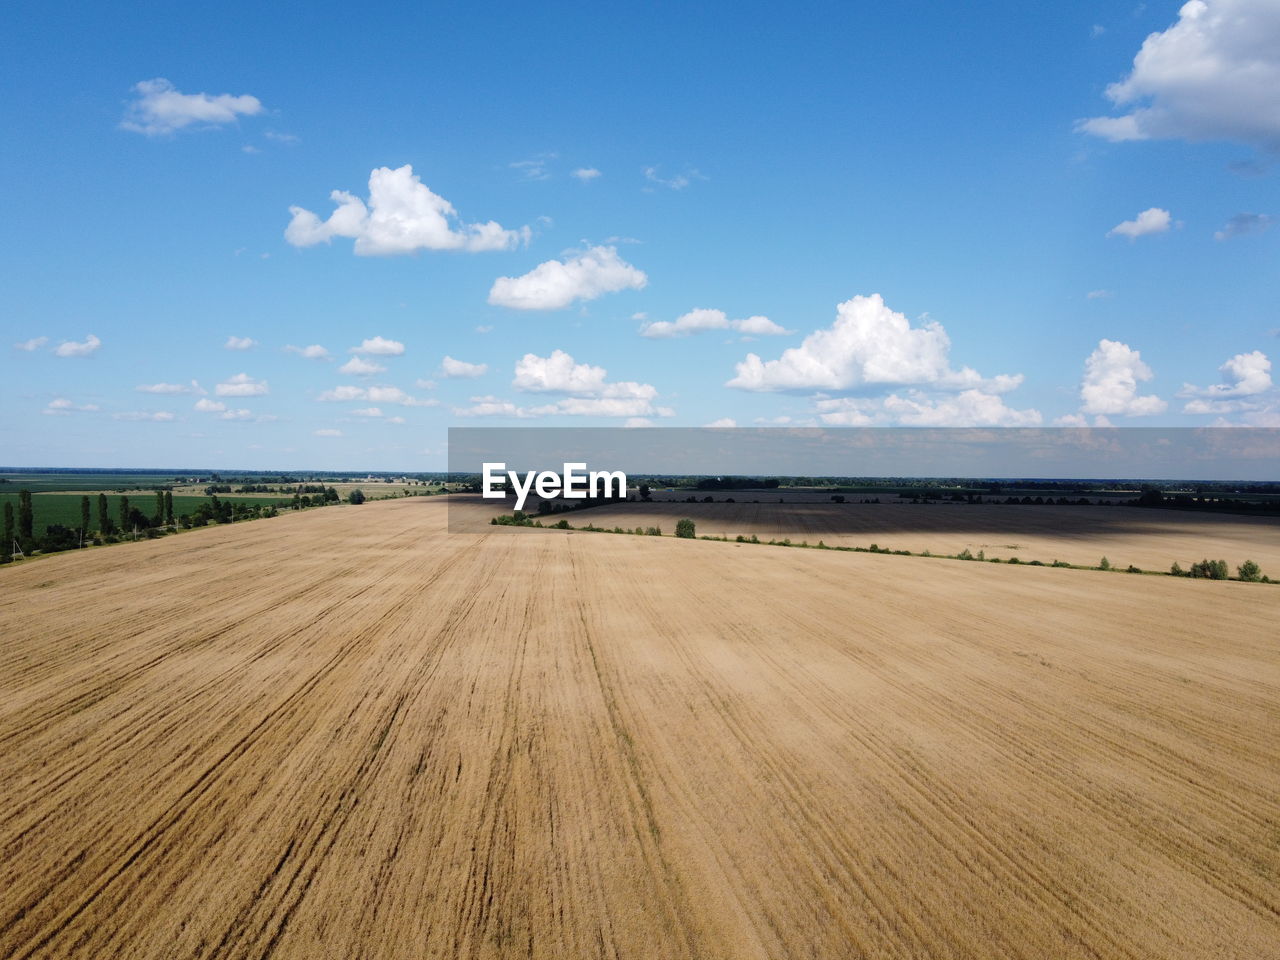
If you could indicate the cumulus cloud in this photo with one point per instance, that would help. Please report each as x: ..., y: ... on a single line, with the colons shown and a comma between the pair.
x: 586, y: 174
x: 461, y: 370
x: 1110, y: 385
x: 723, y: 422
x: 701, y: 319
x: 61, y: 407
x: 379, y: 347
x: 360, y: 367
x: 919, y: 408
x: 241, y: 414
x: 205, y: 405
x: 35, y: 343
x: 1241, y: 224
x: 240, y: 343
x: 1153, y: 220
x: 312, y: 352
x: 160, y: 108
x: 192, y: 387
x: 375, y: 394
x: 1213, y: 75
x: 556, y: 284
x: 241, y: 385
x: 588, y: 392
x: 489, y: 406
x: 154, y: 416
x: 1246, y: 375
x: 402, y: 216
x: 868, y: 345
x: 72, y: 348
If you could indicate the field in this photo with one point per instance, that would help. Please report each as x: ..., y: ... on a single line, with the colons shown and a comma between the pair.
x: 1152, y: 539
x: 64, y: 508
x: 345, y: 733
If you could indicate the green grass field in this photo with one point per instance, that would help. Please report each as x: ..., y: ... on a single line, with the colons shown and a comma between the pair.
x: 64, y: 508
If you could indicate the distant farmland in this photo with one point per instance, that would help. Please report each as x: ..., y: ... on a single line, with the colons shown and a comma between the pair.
x: 64, y: 508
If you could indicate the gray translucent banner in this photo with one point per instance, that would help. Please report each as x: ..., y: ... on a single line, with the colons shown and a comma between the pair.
x: 1154, y: 455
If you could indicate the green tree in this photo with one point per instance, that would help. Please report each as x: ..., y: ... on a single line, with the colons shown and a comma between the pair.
x: 6, y: 548
x: 685, y: 529
x: 159, y: 517
x: 1105, y: 564
x: 356, y: 496
x: 84, y: 515
x: 26, y: 519
x: 168, y: 507
x: 104, y: 521
x: 1249, y: 572
x: 124, y: 514
x: 644, y: 491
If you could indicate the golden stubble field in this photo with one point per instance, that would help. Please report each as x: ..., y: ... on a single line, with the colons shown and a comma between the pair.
x: 1146, y: 538
x: 345, y: 733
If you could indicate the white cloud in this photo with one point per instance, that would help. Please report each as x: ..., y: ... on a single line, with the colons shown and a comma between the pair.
x: 157, y: 416
x: 1099, y: 295
x: 461, y: 370
x: 71, y: 348
x: 586, y: 174
x: 371, y: 412
x: 723, y: 422
x: 1153, y: 220
x: 556, y: 284
x: 1071, y: 420
x: 635, y: 423
x: 425, y: 384
x: 360, y: 367
x: 701, y: 319
x: 488, y: 406
x: 279, y: 137
x: 590, y: 394
x: 403, y: 216
x: 345, y: 394
x: 868, y: 345
x: 328, y: 432
x: 918, y: 408
x: 1244, y: 375
x: 160, y: 108
x: 312, y: 352
x: 192, y: 387
x: 1213, y: 75
x: 61, y: 407
x: 379, y: 347
x: 205, y: 405
x: 241, y: 414
x: 35, y: 343
x: 240, y: 343
x: 1110, y: 385
x: 1241, y: 224
x: 484, y: 328
x: 535, y: 168
x: 559, y: 373
x: 677, y: 182
x: 241, y: 385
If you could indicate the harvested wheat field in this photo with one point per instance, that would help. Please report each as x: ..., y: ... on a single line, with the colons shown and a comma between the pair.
x: 1152, y: 539
x: 345, y: 733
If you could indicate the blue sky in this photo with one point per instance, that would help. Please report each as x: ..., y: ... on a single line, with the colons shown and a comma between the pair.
x: 853, y: 213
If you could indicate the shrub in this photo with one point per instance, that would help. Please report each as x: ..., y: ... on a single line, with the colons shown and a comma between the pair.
x: 1176, y: 570
x: 685, y: 529
x: 1133, y: 569
x: 653, y: 532
x: 1104, y: 564
x: 1209, y: 570
x: 1249, y: 572
x: 562, y: 525
x: 356, y: 496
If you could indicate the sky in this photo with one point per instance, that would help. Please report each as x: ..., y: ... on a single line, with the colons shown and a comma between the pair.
x: 252, y: 239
